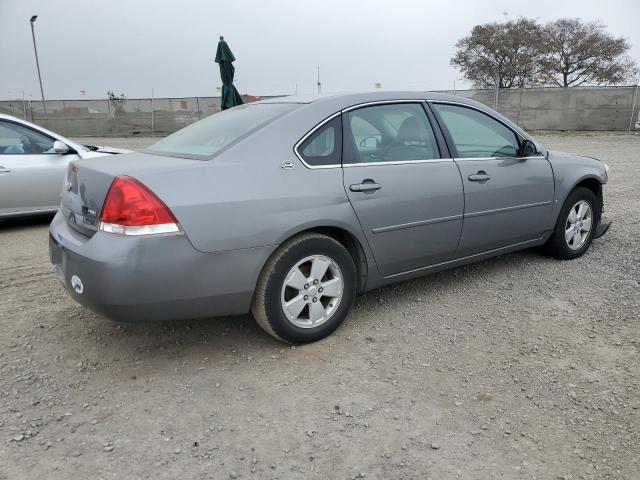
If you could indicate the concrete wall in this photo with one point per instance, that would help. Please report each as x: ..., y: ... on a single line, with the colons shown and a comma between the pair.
x: 585, y: 108
x: 141, y: 116
x: 588, y: 108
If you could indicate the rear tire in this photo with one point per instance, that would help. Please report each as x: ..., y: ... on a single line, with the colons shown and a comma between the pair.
x: 576, y: 225
x: 306, y: 289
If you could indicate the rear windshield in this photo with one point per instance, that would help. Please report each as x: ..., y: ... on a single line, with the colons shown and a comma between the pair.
x: 205, y: 138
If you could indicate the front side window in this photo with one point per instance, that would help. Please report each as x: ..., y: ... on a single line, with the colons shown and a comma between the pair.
x: 20, y: 140
x: 203, y: 139
x: 324, y: 146
x: 477, y: 135
x: 390, y: 133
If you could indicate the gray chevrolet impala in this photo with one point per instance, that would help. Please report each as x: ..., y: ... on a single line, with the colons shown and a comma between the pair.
x: 290, y: 207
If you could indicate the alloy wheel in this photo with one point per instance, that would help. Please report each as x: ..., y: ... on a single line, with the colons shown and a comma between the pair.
x: 578, y: 225
x: 312, y: 291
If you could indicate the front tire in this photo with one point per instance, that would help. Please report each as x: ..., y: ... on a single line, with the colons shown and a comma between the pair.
x: 576, y: 225
x: 306, y: 289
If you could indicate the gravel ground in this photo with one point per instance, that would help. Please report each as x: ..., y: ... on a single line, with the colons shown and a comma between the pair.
x: 520, y: 367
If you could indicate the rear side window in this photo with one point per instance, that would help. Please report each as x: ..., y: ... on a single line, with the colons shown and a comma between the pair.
x: 476, y: 134
x: 324, y: 146
x: 205, y: 138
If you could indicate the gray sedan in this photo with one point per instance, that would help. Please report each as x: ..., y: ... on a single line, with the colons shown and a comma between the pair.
x: 33, y: 164
x: 290, y: 207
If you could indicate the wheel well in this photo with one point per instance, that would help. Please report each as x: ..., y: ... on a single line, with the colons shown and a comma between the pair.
x: 592, y: 184
x: 352, y: 244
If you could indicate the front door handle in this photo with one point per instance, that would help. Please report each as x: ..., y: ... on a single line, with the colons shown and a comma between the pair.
x: 4, y: 169
x: 367, y: 185
x: 480, y: 176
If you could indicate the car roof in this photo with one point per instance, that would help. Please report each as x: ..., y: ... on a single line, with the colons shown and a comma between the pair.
x: 327, y: 104
x: 363, y: 97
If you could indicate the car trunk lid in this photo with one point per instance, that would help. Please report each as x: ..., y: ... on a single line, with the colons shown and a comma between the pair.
x: 88, y: 181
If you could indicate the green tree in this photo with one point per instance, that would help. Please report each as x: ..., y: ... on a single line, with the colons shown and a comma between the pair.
x: 579, y: 53
x: 508, y: 52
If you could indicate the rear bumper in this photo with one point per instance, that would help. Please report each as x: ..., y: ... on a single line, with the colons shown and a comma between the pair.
x: 159, y: 277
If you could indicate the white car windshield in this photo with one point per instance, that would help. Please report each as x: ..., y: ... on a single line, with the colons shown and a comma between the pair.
x: 208, y: 136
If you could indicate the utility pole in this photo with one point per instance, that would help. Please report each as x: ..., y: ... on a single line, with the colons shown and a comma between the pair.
x: 35, y: 50
x: 495, y: 107
x: 319, y: 84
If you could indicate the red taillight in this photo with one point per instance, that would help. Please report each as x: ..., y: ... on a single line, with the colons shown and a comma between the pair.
x: 130, y: 208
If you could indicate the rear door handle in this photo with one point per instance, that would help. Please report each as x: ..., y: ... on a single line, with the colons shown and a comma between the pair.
x: 480, y: 176
x: 365, y: 186
x: 4, y: 169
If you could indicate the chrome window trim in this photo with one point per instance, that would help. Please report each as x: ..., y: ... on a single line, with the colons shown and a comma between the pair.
x: 392, y: 162
x: 404, y: 162
x: 489, y: 114
x: 467, y: 159
x: 382, y: 102
x: 397, y: 162
x: 348, y: 109
x: 478, y: 109
x: 307, y: 135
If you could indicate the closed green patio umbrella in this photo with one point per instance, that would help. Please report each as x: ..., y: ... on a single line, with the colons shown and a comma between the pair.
x: 224, y: 57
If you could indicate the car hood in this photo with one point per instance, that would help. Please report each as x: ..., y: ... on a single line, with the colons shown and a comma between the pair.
x: 102, y: 151
x: 112, y: 150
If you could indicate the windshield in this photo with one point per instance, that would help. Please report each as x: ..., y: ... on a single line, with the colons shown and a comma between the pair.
x: 205, y: 138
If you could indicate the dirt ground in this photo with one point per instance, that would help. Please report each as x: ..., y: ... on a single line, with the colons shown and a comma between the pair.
x: 520, y: 367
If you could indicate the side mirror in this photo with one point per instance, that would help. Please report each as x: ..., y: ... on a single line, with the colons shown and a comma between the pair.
x: 60, y: 147
x: 528, y: 148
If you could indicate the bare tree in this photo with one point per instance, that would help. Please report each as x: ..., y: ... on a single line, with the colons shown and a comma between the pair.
x: 117, y: 101
x: 508, y: 52
x: 578, y: 53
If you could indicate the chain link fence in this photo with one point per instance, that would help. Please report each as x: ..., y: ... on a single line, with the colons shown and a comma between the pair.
x: 133, y: 116
x: 582, y: 108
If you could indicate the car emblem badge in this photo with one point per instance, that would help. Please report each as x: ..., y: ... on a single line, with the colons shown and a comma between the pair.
x: 287, y: 165
x: 76, y: 284
x: 68, y: 186
x: 72, y: 218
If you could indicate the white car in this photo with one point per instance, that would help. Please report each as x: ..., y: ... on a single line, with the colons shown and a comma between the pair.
x: 33, y: 166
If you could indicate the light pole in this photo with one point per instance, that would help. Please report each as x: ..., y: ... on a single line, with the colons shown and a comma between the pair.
x: 35, y: 50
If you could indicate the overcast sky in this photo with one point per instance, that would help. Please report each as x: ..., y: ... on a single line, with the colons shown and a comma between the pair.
x: 132, y: 46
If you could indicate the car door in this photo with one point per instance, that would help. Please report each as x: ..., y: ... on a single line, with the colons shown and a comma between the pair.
x: 406, y: 195
x: 508, y: 197
x: 31, y: 174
